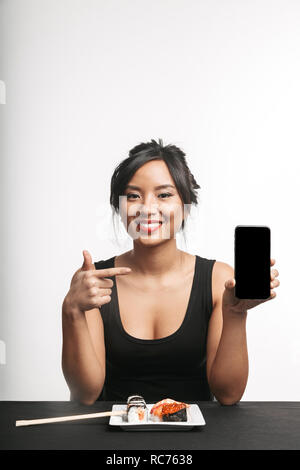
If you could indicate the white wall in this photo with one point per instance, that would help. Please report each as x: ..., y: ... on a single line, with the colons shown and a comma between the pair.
x: 87, y: 80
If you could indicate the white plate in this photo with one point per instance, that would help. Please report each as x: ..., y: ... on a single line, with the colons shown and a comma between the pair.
x: 194, y: 418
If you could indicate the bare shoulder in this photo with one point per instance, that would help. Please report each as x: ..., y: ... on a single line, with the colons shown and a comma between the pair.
x: 220, y: 268
x: 220, y: 273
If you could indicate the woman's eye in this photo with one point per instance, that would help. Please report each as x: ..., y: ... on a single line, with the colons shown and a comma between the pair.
x: 129, y: 196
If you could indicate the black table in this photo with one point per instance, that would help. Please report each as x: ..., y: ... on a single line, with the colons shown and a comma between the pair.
x: 247, y: 425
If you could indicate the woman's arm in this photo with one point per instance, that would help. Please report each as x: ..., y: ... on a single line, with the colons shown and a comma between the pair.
x: 227, y: 355
x: 83, y: 352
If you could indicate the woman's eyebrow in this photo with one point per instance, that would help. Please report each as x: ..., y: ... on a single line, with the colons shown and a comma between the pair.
x: 162, y: 186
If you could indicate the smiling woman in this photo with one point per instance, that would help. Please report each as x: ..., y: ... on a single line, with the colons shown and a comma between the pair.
x: 169, y: 324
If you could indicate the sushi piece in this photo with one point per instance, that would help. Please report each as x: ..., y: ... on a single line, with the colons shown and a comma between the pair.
x: 137, y: 411
x: 174, y: 412
x: 169, y: 410
x: 134, y: 398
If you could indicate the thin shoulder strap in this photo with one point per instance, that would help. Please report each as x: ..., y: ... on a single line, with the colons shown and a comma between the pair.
x: 105, y: 263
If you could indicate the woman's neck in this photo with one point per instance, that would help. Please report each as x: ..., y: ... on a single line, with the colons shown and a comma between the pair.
x: 158, y: 260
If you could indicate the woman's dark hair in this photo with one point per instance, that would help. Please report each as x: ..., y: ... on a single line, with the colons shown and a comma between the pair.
x: 142, y: 153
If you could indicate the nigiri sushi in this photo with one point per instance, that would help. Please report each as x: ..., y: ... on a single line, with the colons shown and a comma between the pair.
x: 169, y: 410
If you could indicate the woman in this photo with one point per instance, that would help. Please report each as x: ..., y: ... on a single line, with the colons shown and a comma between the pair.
x: 169, y: 323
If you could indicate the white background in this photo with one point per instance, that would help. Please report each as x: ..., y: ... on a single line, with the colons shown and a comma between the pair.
x: 86, y: 81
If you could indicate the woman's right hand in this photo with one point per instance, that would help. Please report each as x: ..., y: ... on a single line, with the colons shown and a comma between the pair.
x: 90, y: 287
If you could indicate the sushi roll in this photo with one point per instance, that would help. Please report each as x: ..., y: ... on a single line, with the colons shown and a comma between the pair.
x: 137, y: 411
x: 169, y: 410
x: 134, y: 398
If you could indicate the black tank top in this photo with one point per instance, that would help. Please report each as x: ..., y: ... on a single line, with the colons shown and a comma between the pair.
x: 170, y: 367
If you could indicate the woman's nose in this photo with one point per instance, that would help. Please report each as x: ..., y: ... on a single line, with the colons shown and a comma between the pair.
x: 149, y: 206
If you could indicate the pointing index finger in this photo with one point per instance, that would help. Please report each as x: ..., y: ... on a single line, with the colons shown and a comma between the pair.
x: 107, y: 272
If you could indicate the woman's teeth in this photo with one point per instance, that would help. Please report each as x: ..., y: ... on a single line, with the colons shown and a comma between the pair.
x: 150, y: 225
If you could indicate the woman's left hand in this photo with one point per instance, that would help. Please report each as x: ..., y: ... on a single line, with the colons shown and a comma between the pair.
x: 231, y: 302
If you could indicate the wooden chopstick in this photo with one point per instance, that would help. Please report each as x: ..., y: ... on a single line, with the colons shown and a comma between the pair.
x: 29, y: 422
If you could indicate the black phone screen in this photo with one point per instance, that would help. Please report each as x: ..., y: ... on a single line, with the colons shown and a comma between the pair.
x: 252, y: 252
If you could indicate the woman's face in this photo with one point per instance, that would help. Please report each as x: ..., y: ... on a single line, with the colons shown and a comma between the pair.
x: 149, y: 211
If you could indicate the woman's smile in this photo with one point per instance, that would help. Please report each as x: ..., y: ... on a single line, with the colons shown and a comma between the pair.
x: 148, y: 227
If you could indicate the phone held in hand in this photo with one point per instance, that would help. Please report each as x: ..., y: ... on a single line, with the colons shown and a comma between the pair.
x: 252, y: 255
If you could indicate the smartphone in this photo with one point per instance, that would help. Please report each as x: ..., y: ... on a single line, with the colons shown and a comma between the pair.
x: 252, y: 261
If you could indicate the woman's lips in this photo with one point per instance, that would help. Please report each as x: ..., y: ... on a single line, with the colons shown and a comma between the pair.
x: 148, y: 228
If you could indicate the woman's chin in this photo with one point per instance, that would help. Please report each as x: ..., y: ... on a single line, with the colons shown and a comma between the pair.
x: 150, y: 239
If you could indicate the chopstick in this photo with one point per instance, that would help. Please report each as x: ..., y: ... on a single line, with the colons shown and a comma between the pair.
x: 29, y: 422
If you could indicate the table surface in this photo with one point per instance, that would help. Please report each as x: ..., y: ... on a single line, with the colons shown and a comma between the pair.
x: 247, y: 425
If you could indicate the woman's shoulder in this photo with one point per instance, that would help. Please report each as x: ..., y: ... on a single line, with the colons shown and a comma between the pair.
x: 218, y: 265
x: 220, y: 270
